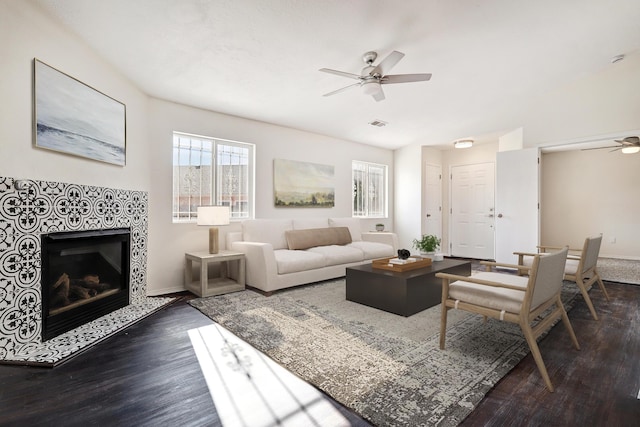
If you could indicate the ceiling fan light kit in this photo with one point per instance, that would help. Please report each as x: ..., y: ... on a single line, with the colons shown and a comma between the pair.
x: 370, y: 87
x: 463, y: 143
x: 371, y: 78
x: 628, y: 145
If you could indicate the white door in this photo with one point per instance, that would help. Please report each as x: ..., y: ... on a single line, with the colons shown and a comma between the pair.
x: 517, y: 203
x: 472, y: 211
x: 433, y: 200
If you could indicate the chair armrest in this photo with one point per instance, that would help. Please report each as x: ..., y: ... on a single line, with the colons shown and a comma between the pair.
x: 557, y: 248
x: 501, y: 264
x: 544, y: 248
x: 471, y: 279
x: 526, y: 253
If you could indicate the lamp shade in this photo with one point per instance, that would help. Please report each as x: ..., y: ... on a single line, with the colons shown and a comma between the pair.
x: 213, y: 215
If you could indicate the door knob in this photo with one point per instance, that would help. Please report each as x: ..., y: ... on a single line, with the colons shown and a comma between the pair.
x: 499, y: 215
x: 428, y: 215
x: 490, y: 215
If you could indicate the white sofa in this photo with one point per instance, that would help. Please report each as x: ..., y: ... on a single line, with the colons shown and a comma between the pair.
x: 278, y: 257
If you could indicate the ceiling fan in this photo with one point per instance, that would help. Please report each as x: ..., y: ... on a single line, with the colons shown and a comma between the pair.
x: 628, y: 145
x: 371, y: 78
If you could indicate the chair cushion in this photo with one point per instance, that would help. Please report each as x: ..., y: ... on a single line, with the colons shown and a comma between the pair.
x: 289, y: 261
x: 336, y: 255
x: 488, y: 296
x: 571, y: 267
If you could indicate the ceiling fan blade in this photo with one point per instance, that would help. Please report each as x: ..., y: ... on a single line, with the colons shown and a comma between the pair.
x: 405, y: 78
x: 600, y: 148
x: 629, y: 140
x: 340, y: 73
x: 379, y: 96
x: 341, y: 89
x: 387, y: 63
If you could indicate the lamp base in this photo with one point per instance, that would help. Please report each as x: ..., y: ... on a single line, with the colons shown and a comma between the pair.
x: 213, y: 240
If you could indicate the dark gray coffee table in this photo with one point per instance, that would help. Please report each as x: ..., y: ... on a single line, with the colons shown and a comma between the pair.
x: 404, y: 293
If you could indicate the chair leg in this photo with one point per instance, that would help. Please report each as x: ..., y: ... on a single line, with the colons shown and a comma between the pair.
x: 599, y: 279
x: 443, y: 324
x: 535, y: 351
x: 567, y: 323
x: 585, y: 295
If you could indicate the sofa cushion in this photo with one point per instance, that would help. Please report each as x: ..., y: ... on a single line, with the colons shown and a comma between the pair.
x: 311, y: 237
x: 352, y: 223
x: 302, y: 223
x: 373, y: 250
x: 288, y: 261
x: 336, y: 255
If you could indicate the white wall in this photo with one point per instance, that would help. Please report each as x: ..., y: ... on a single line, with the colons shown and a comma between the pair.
x: 585, y: 193
x: 25, y: 33
x: 168, y: 242
x: 408, y: 190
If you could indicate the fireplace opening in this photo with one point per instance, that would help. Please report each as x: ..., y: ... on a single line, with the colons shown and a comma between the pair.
x: 85, y: 275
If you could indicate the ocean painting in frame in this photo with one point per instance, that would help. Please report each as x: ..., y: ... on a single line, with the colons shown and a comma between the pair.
x: 74, y: 118
x: 302, y: 184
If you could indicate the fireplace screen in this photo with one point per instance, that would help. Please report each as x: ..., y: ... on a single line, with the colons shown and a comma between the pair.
x: 85, y: 275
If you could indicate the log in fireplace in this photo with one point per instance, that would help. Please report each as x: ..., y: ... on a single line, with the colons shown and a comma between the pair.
x: 85, y: 275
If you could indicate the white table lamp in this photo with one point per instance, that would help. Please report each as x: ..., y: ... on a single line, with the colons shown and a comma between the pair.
x: 213, y: 215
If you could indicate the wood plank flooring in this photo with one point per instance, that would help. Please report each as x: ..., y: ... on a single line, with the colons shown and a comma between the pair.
x: 596, y: 386
x: 148, y: 375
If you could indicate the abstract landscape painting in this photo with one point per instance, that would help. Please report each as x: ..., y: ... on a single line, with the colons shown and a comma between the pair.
x: 74, y: 118
x: 302, y: 184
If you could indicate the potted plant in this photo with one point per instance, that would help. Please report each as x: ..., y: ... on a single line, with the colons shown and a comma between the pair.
x: 379, y: 227
x: 427, y: 244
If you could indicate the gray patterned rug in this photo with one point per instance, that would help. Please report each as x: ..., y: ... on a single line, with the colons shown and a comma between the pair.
x: 387, y: 368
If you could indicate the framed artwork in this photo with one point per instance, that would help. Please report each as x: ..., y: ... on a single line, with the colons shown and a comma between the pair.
x: 73, y: 118
x: 302, y: 184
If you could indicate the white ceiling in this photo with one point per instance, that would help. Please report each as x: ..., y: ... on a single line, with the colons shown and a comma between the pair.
x: 259, y: 59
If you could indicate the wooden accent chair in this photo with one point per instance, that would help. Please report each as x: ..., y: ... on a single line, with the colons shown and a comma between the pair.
x: 512, y: 298
x: 580, y: 267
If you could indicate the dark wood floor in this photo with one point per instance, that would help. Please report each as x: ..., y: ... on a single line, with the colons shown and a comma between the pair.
x: 148, y: 375
x: 596, y: 386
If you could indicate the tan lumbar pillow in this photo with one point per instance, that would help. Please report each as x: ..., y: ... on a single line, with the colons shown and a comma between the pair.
x: 311, y: 237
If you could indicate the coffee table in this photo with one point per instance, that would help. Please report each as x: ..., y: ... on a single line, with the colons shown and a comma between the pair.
x: 403, y: 293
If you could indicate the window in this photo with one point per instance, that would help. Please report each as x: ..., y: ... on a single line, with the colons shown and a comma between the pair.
x: 208, y: 171
x: 369, y: 190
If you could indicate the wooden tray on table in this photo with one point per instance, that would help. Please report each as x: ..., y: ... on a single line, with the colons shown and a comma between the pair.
x: 383, y: 264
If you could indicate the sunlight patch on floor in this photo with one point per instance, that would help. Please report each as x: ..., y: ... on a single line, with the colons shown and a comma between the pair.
x: 250, y: 389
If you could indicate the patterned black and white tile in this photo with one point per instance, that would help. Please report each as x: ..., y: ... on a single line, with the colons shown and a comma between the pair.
x: 29, y: 208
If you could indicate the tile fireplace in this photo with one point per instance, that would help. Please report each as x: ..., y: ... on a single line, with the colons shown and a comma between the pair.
x: 37, y: 216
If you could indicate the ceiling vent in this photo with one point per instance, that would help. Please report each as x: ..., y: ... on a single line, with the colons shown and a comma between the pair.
x: 378, y: 123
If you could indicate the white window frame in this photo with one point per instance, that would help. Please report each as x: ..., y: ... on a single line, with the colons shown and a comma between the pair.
x: 212, y: 190
x: 367, y: 210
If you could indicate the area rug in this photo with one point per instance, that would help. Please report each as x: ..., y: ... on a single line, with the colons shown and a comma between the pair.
x: 387, y: 368
x: 619, y: 270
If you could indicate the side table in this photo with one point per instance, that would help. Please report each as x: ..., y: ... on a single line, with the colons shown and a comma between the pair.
x: 206, y: 287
